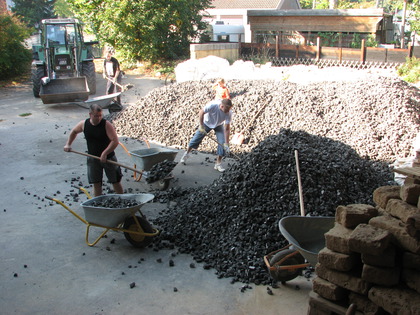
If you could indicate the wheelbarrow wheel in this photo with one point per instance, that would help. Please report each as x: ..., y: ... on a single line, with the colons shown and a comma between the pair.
x: 286, y: 274
x: 115, y: 107
x: 137, y: 240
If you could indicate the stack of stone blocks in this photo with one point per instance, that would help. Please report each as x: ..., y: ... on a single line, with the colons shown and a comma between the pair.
x: 372, y: 255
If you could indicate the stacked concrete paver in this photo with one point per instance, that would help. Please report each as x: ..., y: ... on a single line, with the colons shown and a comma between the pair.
x: 372, y: 256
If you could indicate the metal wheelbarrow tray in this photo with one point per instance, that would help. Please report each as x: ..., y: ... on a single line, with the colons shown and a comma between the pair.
x: 129, y: 220
x: 306, y: 234
x: 112, y: 217
x: 145, y: 159
x: 104, y: 100
x: 306, y: 238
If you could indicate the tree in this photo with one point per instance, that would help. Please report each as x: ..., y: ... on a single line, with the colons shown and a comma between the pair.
x: 15, y: 57
x: 144, y: 29
x: 33, y: 11
x: 62, y: 9
x: 414, y: 20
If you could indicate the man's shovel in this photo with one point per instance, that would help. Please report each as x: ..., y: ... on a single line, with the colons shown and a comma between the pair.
x: 123, y: 87
x: 233, y: 154
x: 238, y: 138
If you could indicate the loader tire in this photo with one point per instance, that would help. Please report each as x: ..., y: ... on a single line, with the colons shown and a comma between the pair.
x: 37, y: 74
x: 88, y: 70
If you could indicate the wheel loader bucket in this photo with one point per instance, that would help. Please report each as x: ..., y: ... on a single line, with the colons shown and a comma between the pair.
x: 65, y: 90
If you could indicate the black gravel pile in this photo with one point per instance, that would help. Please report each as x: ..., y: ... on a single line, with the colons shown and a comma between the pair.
x: 378, y: 117
x: 231, y: 224
x: 346, y: 133
x: 160, y: 171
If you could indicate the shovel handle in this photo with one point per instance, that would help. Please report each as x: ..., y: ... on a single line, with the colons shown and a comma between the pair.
x: 234, y: 155
x: 116, y: 83
x: 108, y: 161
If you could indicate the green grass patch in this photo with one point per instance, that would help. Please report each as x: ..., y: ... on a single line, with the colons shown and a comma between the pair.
x: 410, y: 70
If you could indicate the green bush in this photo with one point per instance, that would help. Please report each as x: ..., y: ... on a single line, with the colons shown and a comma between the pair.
x: 15, y: 57
x: 410, y: 70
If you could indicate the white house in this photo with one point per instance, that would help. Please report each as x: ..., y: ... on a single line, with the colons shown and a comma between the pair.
x: 226, y: 15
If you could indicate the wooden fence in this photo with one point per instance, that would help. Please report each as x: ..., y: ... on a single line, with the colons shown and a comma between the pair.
x: 340, y: 54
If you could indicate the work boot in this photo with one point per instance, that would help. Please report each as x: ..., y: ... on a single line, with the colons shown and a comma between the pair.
x: 219, y: 167
x: 184, y: 158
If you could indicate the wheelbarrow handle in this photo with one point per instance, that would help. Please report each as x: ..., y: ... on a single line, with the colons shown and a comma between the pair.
x: 108, y: 161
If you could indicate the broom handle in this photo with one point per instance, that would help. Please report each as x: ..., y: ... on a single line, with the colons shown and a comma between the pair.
x: 302, y: 208
x: 255, y: 117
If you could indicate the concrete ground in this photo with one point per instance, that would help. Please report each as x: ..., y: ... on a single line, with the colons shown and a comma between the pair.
x: 46, y: 266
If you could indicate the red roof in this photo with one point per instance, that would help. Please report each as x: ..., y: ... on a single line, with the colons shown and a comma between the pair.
x: 245, y: 4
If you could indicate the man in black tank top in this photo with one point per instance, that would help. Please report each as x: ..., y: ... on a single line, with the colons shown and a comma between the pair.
x: 101, y: 140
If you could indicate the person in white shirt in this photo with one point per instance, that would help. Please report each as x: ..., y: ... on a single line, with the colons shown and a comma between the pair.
x: 112, y: 71
x: 217, y: 116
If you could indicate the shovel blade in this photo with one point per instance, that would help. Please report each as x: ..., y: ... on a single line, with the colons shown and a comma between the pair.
x: 238, y: 139
x: 127, y: 87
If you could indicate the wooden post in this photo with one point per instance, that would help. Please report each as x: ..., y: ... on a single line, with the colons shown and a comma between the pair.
x: 318, y: 48
x: 363, y: 51
x: 340, y: 54
x: 277, y: 46
x: 410, y: 50
x: 239, y: 46
x: 297, y: 51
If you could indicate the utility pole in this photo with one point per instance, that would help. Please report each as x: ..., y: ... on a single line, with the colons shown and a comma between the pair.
x: 403, y: 24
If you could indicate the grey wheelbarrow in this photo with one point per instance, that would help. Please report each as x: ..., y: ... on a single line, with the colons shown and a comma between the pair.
x: 147, y: 160
x: 306, y: 238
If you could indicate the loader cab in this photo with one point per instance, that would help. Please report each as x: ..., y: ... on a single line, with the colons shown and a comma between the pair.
x: 62, y: 42
x: 63, y: 68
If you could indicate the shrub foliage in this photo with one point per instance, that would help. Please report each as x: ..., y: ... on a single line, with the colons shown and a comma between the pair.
x: 15, y: 57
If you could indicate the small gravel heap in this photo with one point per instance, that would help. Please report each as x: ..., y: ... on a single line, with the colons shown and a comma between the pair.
x: 231, y: 224
x: 160, y: 171
x: 114, y: 202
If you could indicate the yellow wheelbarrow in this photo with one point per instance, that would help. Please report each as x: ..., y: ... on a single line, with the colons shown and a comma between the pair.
x: 137, y: 230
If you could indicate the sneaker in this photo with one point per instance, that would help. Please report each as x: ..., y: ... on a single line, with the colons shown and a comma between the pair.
x: 184, y: 158
x: 219, y: 167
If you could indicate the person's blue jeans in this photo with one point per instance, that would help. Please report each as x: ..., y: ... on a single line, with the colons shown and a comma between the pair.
x: 220, y: 135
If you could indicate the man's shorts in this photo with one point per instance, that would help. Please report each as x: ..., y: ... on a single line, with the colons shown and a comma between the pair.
x: 95, y: 170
